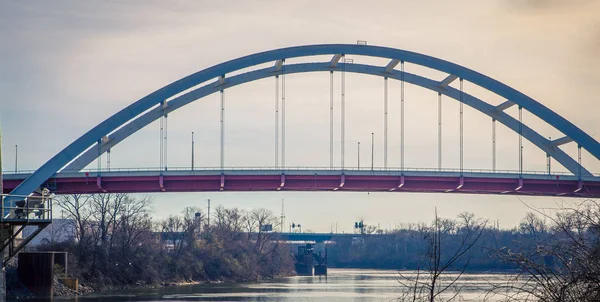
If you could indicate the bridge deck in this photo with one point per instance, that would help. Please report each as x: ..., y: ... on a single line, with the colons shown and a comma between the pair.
x: 135, y: 181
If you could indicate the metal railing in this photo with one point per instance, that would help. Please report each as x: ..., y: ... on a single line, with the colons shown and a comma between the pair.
x: 18, y: 208
x: 305, y: 168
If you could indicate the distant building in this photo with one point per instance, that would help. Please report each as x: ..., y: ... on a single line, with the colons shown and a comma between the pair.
x: 60, y: 230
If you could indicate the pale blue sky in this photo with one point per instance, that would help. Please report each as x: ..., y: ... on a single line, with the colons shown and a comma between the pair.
x: 67, y: 65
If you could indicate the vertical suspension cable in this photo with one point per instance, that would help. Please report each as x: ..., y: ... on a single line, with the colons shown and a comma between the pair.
x: 402, y: 116
x: 343, y: 111
x: 283, y: 114
x: 520, y: 141
x: 276, y: 121
x: 222, y: 96
x: 161, y: 138
x: 549, y: 160
x: 579, y: 168
x: 439, y: 131
x: 494, y: 145
x: 385, y: 122
x: 331, y: 119
x: 99, y: 155
x: 192, y: 150
x: 461, y: 127
x: 166, y: 141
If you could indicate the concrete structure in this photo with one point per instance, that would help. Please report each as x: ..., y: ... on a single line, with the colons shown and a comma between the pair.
x: 36, y: 270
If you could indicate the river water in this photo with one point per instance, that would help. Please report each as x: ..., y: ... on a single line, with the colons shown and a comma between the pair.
x: 339, y: 285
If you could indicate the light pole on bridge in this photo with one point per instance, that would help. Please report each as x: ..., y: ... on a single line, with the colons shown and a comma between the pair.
x: 372, y: 149
x: 358, y: 156
x: 16, y: 158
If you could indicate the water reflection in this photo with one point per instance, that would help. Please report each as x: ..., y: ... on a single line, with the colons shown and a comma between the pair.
x: 339, y: 285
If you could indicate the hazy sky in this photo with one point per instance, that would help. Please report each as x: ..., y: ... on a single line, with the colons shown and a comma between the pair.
x: 65, y: 66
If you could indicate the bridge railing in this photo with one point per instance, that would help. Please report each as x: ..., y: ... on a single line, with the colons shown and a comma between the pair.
x: 94, y: 172
x: 25, y: 209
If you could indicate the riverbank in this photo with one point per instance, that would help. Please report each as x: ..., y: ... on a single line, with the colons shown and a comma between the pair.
x: 17, y: 291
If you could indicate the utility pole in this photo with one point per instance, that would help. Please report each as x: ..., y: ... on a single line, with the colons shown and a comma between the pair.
x: 282, y: 215
x: 192, y: 150
x: 372, y: 150
x: 358, y: 156
x: 208, y: 222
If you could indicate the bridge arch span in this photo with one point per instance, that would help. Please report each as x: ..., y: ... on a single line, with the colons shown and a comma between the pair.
x: 125, y: 122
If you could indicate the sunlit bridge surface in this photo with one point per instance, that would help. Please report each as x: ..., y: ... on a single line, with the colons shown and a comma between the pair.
x: 144, y: 180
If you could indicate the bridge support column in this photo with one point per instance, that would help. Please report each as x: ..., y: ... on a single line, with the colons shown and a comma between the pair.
x: 400, y: 184
x: 342, y: 182
x: 282, y: 182
x: 99, y: 183
x: 161, y: 182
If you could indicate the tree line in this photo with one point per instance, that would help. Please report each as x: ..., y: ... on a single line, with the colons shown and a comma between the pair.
x: 117, y: 242
x: 550, y: 257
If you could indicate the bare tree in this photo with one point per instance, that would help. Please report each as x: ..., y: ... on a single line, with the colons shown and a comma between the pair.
x: 565, y: 265
x: 77, y: 208
x: 171, y: 228
x: 132, y: 223
x: 260, y: 219
x: 229, y: 223
x: 441, y: 273
x: 106, y: 209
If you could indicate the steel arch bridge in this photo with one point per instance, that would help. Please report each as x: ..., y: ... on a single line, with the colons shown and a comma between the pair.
x: 160, y: 103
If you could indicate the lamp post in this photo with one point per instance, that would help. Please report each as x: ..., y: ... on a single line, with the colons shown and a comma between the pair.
x: 372, y: 149
x: 358, y: 156
x: 16, y: 158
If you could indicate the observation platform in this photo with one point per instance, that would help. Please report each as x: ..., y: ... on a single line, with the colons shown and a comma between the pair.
x: 19, y: 212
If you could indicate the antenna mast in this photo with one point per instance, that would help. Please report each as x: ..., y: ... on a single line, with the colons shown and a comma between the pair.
x: 282, y: 215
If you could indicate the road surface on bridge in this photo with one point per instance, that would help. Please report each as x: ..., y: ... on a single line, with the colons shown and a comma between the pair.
x: 255, y: 179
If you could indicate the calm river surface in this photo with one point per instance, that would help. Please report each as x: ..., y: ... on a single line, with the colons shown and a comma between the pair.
x: 340, y: 285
